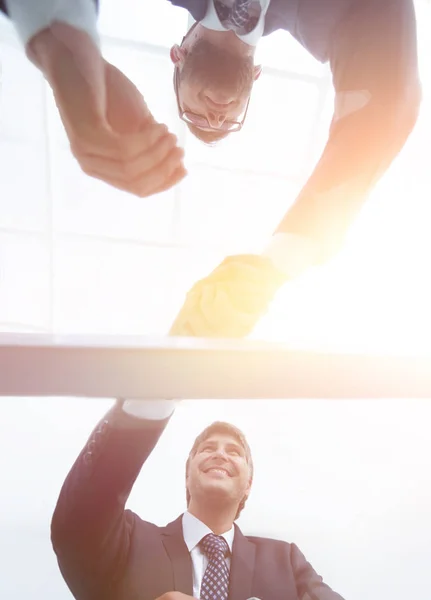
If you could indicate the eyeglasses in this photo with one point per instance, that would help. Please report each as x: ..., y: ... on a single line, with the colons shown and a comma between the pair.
x: 200, y: 120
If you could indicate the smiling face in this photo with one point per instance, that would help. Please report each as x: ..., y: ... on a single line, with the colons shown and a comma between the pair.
x: 219, y: 471
x: 214, y: 76
x: 215, y: 84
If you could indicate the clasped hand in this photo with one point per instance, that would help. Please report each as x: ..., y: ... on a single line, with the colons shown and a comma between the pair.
x: 112, y: 133
x: 231, y: 300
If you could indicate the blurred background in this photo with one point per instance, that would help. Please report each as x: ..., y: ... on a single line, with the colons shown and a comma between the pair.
x: 349, y: 482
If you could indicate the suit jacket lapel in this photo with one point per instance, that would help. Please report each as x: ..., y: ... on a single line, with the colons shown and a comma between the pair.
x: 242, y: 567
x: 173, y: 540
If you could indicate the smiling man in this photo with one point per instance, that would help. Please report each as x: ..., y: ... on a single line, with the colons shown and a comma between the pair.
x: 106, y: 552
x: 213, y: 79
x: 219, y: 474
x: 371, y: 48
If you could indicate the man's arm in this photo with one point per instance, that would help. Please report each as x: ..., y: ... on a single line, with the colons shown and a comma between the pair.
x: 375, y: 75
x: 90, y: 529
x: 32, y: 16
x: 112, y: 133
x: 309, y: 585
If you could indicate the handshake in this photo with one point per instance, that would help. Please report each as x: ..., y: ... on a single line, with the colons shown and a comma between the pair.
x: 231, y: 300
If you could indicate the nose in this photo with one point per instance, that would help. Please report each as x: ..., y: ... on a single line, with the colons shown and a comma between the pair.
x: 216, y: 119
x: 218, y: 98
x: 220, y: 453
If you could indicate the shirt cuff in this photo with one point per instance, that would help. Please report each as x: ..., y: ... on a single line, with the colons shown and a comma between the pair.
x: 291, y: 254
x: 32, y: 16
x: 155, y: 410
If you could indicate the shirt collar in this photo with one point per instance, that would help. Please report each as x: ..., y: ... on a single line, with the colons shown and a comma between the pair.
x: 211, y: 21
x: 194, y: 530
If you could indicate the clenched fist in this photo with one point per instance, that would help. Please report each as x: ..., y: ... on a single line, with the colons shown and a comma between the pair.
x: 231, y: 300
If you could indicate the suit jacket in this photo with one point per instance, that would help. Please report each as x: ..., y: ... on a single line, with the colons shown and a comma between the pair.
x: 372, y: 50
x: 311, y: 22
x: 108, y: 553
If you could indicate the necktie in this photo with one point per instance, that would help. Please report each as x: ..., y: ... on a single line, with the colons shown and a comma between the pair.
x: 215, y: 581
x: 237, y: 16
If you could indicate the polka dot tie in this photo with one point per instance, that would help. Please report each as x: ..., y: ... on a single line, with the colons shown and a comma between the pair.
x: 239, y: 15
x: 215, y: 582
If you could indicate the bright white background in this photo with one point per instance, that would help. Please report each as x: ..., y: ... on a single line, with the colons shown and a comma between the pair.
x: 347, y: 481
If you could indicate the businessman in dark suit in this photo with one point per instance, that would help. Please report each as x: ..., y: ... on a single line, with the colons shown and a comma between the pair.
x: 108, y: 553
x: 370, y: 46
x: 372, y: 51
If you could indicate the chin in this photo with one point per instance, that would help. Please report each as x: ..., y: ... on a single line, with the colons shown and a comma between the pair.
x: 216, y: 489
x: 215, y: 485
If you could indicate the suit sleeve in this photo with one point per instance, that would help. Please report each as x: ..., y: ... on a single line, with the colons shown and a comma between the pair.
x: 309, y: 584
x: 32, y: 16
x: 90, y: 529
x: 375, y: 75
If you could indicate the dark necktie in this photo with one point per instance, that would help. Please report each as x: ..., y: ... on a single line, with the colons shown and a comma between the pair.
x: 215, y: 582
x: 238, y: 15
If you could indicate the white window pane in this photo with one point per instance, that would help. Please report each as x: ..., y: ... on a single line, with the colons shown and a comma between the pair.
x: 282, y: 51
x: 25, y: 280
x: 277, y: 134
x: 56, y: 133
x: 226, y: 207
x: 192, y: 264
x: 103, y: 287
x: 85, y: 205
x: 22, y: 95
x: 153, y: 76
x: 152, y: 21
x: 24, y: 202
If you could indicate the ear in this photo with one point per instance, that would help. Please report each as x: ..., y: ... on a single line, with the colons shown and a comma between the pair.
x: 257, y: 72
x: 178, y: 55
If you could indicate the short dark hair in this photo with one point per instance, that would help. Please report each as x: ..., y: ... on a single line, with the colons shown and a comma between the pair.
x: 222, y: 427
x: 208, y: 137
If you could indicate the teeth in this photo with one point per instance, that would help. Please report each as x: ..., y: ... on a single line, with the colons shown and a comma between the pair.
x: 218, y: 471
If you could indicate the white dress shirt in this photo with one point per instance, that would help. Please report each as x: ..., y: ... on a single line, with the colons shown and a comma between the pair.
x: 193, y: 531
x: 32, y: 16
x: 292, y: 254
x: 150, y: 409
